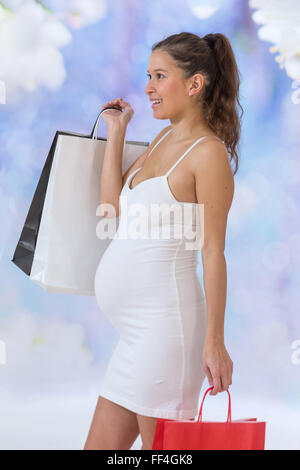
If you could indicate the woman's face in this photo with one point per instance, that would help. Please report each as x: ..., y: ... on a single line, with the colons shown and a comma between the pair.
x: 166, y: 83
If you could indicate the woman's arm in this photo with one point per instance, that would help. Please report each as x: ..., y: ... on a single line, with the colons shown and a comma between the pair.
x: 111, y: 173
x: 215, y: 189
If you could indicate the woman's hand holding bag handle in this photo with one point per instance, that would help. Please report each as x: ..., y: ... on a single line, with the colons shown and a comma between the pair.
x: 111, y: 112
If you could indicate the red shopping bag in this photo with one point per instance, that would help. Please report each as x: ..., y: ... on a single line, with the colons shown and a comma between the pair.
x: 242, y: 434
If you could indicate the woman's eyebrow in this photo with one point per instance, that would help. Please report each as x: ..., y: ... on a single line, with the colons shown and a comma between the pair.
x: 156, y: 70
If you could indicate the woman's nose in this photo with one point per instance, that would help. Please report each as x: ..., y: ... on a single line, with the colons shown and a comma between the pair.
x: 148, y: 88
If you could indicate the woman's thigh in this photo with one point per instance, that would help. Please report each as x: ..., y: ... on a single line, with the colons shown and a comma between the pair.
x: 113, y: 427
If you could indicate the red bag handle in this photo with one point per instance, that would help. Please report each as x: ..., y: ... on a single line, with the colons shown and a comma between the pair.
x: 229, y: 406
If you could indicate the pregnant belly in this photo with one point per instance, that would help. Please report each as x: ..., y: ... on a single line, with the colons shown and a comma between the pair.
x: 137, y: 282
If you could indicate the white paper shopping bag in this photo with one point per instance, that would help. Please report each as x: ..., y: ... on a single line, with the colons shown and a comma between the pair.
x: 58, y: 247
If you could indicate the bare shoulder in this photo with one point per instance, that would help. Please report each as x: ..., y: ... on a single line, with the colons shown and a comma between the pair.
x: 212, y: 171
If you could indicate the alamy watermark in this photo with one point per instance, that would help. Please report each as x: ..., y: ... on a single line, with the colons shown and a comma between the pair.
x: 157, y: 221
x: 295, y: 358
x: 2, y: 352
x: 2, y: 92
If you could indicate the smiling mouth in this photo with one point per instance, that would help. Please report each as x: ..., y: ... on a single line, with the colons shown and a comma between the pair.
x: 155, y: 104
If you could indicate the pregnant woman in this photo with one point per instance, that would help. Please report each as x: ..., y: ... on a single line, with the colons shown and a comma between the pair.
x: 171, y: 334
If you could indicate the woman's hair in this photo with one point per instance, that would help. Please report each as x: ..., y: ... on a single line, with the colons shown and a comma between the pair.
x: 213, y: 57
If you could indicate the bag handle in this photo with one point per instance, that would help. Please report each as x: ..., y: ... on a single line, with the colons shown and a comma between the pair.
x: 94, y: 132
x: 229, y: 406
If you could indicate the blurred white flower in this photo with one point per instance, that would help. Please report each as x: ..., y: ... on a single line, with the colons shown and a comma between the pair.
x: 292, y: 66
x: 80, y: 13
x: 75, y: 13
x: 29, y: 42
x: 280, y: 25
x: 31, y: 34
x: 204, y: 9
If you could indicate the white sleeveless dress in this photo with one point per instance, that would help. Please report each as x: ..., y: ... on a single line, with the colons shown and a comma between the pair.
x: 149, y: 289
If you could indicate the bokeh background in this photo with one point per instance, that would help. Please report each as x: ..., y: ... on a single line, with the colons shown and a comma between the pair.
x: 60, y: 61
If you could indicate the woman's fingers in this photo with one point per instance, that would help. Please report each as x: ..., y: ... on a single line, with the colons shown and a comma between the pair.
x: 125, y: 114
x: 222, y: 381
x: 208, y: 374
x: 217, y: 383
x: 117, y: 100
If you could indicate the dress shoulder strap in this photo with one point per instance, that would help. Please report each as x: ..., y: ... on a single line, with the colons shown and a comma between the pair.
x: 188, y: 150
x: 168, y: 132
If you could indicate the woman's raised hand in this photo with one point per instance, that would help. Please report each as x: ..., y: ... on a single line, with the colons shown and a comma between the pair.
x: 122, y: 115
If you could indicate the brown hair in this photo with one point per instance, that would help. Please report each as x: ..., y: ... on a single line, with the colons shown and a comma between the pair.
x: 213, y: 57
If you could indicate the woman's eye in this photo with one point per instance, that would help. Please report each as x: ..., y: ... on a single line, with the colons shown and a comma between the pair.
x: 149, y: 76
